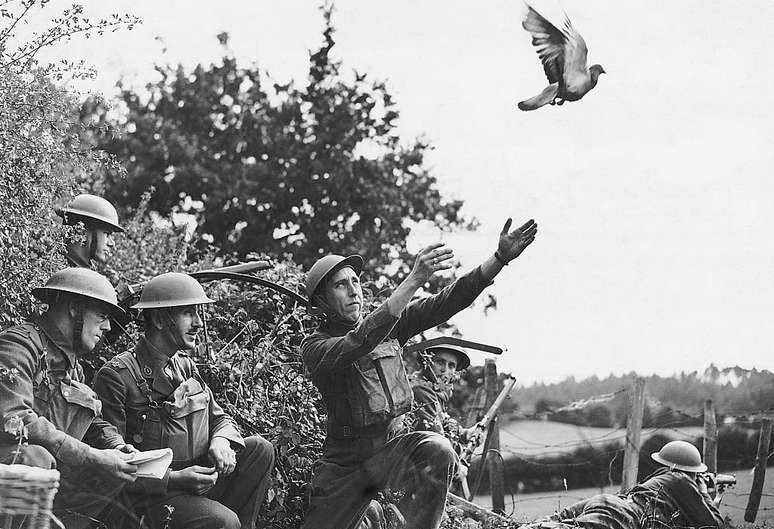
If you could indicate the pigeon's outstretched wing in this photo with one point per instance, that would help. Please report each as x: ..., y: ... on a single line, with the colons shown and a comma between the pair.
x: 575, y: 51
x: 550, y: 43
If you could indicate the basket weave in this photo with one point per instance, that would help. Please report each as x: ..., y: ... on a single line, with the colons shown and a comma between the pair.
x: 26, y: 496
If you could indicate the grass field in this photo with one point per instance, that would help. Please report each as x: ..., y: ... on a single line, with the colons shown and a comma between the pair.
x: 527, y: 507
x: 532, y: 438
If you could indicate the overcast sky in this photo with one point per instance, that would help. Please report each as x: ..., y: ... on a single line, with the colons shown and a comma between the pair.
x: 653, y: 194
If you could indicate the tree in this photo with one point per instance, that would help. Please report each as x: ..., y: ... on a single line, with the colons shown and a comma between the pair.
x: 42, y: 161
x: 275, y: 168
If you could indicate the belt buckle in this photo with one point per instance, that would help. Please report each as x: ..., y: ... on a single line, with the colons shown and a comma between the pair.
x: 347, y: 431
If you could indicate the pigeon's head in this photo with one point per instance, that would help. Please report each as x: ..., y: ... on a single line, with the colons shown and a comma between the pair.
x: 596, y: 70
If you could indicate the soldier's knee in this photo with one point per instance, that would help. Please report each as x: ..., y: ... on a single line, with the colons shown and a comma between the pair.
x: 259, y: 448
x: 225, y: 518
x: 36, y: 456
x: 441, y: 448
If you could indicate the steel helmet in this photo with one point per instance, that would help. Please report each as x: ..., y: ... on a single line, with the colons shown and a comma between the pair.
x: 463, y: 360
x: 324, y: 266
x: 680, y: 455
x: 90, y: 208
x: 172, y: 289
x: 81, y: 281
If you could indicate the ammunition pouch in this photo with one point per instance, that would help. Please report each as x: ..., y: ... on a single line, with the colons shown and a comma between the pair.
x: 377, y: 391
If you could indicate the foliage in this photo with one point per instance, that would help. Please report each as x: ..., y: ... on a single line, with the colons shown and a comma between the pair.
x: 42, y: 161
x: 275, y: 168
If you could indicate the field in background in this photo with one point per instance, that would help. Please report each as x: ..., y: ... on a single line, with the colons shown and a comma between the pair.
x: 528, y: 507
x: 533, y: 438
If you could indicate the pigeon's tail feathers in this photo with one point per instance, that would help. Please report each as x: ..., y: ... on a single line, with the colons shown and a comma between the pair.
x: 543, y: 98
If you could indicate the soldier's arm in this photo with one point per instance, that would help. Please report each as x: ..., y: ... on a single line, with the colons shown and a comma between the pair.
x: 323, y: 354
x: 696, y: 507
x: 19, y: 357
x: 426, y: 313
x: 110, y: 388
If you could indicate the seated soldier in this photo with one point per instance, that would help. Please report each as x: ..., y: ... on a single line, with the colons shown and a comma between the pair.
x: 43, y: 394
x: 156, y: 398
x: 100, y: 221
x: 673, y: 496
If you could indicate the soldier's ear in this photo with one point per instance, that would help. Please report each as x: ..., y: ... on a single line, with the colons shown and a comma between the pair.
x: 154, y: 318
x: 73, y: 307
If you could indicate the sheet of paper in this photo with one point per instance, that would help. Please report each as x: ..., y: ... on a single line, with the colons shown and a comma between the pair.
x: 153, y: 463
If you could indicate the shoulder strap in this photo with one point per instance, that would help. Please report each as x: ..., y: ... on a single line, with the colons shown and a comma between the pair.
x: 129, y: 361
x: 42, y: 372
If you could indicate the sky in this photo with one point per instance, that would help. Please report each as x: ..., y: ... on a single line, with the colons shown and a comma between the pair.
x: 652, y: 194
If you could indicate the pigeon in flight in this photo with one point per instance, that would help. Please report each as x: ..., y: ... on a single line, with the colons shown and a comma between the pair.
x: 563, y: 54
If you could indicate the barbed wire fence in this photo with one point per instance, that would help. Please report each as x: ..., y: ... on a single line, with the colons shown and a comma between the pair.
x: 525, y: 451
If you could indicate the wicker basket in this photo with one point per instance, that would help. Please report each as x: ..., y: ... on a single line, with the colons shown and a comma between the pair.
x: 26, y: 496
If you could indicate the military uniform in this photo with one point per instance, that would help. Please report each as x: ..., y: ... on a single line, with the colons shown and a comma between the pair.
x: 430, y: 400
x: 159, y: 402
x: 42, y: 383
x: 361, y: 376
x: 665, y: 499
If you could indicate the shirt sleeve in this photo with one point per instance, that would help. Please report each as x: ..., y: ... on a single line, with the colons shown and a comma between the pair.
x: 428, y: 312
x: 323, y: 354
x: 111, y: 390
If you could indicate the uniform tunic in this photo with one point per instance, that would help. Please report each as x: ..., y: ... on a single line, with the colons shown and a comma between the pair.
x: 358, y: 460
x: 42, y: 383
x: 235, y: 499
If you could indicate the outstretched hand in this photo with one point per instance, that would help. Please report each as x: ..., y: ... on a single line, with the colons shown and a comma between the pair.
x: 512, y: 243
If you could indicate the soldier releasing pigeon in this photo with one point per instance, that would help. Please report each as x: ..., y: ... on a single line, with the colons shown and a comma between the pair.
x: 563, y: 53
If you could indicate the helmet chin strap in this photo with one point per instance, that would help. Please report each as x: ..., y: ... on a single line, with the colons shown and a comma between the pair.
x: 172, y: 328
x: 92, y: 244
x: 78, y: 328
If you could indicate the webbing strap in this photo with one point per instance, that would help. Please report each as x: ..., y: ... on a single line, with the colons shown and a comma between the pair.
x: 130, y: 362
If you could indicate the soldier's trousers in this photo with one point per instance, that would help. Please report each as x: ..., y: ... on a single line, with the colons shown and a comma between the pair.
x: 232, y: 503
x: 421, y: 465
x: 603, y: 511
x: 84, y: 498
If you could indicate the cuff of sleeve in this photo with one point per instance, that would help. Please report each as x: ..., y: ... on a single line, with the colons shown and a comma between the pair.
x: 232, y: 437
x: 152, y: 486
x: 480, y: 281
x: 71, y: 451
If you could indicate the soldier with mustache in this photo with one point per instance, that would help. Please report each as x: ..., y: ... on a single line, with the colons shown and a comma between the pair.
x: 157, y: 398
x: 355, y: 361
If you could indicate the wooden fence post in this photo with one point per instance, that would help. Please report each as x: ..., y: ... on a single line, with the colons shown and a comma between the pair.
x: 760, y: 472
x: 633, y: 431
x: 493, y: 457
x: 710, y: 437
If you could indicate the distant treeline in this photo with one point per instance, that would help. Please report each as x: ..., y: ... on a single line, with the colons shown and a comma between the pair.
x: 602, y: 465
x: 669, y: 401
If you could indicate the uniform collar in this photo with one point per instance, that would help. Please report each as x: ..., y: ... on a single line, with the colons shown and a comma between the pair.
x: 338, y: 327
x: 152, y: 363
x: 57, y: 337
x: 76, y: 260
